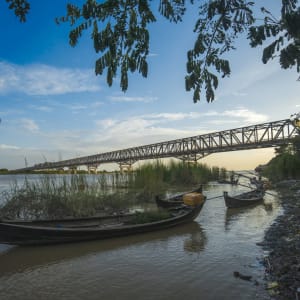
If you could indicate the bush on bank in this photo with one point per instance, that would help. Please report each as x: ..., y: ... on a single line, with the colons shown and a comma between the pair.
x: 286, y: 163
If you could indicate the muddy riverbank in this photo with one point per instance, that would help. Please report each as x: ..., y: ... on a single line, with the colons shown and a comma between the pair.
x: 282, y: 241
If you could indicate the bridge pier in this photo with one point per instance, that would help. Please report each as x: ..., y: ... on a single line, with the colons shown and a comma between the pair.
x: 125, y: 168
x: 73, y: 170
x: 92, y: 169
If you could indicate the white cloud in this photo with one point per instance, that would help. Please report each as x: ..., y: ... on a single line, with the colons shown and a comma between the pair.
x: 246, y: 115
x: 113, y: 134
x: 8, y: 147
x: 240, y: 81
x: 78, y: 107
x: 45, y: 80
x: 96, y: 104
x: 29, y: 125
x: 145, y: 99
x: 42, y: 108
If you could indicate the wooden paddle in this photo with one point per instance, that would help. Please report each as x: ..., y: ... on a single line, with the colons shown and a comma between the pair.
x: 251, y: 188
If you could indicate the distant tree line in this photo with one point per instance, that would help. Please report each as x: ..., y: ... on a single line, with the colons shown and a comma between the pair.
x: 286, y: 163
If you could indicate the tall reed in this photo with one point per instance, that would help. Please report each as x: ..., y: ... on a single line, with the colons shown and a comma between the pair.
x: 58, y: 197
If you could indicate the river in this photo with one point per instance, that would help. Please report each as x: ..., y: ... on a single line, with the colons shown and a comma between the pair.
x: 194, y: 261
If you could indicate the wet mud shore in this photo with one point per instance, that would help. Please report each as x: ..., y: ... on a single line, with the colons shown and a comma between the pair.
x: 282, y: 243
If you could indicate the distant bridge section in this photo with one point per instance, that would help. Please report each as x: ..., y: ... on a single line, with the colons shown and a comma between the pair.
x: 264, y: 135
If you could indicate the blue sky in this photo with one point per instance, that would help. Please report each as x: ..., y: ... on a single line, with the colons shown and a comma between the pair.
x: 53, y: 106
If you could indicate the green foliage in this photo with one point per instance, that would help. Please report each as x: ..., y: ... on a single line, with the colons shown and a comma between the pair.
x: 52, y: 197
x: 20, y: 7
x: 159, y: 175
x: 286, y: 32
x: 219, y: 24
x: 286, y: 164
x: 120, y: 35
x: 75, y: 196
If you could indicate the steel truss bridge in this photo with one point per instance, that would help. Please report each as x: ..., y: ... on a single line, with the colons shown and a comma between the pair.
x: 193, y: 148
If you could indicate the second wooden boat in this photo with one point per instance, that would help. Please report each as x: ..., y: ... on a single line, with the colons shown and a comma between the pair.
x: 244, y: 199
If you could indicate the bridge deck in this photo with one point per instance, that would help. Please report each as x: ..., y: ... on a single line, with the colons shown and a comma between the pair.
x: 250, y: 137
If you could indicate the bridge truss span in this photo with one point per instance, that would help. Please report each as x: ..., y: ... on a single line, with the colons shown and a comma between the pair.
x: 264, y: 135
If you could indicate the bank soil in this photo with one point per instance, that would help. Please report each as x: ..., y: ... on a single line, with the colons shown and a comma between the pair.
x: 282, y: 242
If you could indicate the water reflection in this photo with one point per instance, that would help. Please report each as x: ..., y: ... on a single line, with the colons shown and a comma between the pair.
x: 251, y: 215
x: 196, y: 242
x: 20, y: 259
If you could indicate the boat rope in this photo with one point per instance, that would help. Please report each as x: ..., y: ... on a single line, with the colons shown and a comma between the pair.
x: 214, y: 197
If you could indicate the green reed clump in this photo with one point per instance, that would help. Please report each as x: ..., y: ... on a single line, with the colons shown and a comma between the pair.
x: 52, y: 197
x: 159, y: 175
x: 155, y: 178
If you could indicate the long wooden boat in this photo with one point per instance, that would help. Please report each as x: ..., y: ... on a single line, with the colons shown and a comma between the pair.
x: 175, y: 200
x: 77, y: 230
x: 244, y: 199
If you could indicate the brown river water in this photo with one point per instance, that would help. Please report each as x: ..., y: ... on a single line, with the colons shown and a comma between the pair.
x: 194, y: 261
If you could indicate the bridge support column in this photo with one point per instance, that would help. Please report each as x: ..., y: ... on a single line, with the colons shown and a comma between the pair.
x: 73, y: 170
x: 92, y: 169
x: 125, y: 167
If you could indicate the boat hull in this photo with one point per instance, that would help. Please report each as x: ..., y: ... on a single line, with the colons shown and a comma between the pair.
x: 246, y: 199
x: 40, y: 234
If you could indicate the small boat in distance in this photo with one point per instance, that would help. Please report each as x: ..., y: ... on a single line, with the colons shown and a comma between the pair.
x: 84, y: 229
x: 244, y: 199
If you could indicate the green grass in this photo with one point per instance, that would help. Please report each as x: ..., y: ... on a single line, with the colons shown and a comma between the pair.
x: 74, y: 195
x: 52, y: 197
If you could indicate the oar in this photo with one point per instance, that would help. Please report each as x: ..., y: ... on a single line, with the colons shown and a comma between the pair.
x: 214, y: 197
x: 242, y: 175
x: 251, y: 188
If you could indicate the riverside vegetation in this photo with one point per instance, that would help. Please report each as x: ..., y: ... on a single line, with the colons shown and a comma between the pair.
x: 76, y: 196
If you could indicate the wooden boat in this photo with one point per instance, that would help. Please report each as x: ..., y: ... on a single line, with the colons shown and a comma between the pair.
x: 77, y: 230
x: 175, y: 200
x: 245, y: 199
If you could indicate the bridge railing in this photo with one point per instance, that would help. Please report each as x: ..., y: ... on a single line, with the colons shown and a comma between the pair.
x: 250, y: 137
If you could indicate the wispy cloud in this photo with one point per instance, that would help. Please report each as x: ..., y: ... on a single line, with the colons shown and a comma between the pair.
x: 151, y: 128
x: 239, y: 82
x: 42, y: 108
x: 8, y: 147
x: 145, y: 99
x: 246, y: 116
x: 45, y: 80
x: 29, y: 125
